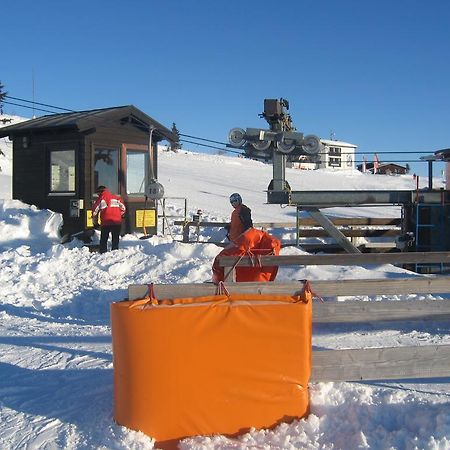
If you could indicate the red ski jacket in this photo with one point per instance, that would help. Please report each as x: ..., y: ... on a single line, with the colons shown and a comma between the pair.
x: 110, y: 207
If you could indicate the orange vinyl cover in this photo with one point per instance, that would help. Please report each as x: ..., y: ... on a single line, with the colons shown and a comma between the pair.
x: 210, y: 365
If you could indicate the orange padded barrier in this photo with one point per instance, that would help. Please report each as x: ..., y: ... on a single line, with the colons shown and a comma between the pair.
x: 210, y: 365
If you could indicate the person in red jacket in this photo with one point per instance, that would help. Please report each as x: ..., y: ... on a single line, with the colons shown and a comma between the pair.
x: 110, y: 208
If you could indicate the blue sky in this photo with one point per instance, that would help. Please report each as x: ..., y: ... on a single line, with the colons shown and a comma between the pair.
x: 374, y: 73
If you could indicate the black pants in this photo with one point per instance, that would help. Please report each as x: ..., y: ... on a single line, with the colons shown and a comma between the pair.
x: 104, y: 235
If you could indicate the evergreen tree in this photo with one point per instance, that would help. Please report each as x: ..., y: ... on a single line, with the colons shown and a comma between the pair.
x: 407, y: 168
x: 175, y: 146
x: 2, y: 97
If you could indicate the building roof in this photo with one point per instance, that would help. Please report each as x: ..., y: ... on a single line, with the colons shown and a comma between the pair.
x: 331, y: 143
x: 87, y: 120
x: 443, y: 154
x: 381, y: 165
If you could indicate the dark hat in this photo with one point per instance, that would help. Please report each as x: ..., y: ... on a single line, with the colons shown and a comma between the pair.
x: 100, y: 189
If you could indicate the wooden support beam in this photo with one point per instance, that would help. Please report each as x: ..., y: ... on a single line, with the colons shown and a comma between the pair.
x: 332, y: 230
x: 355, y: 232
x: 324, y: 288
x: 387, y: 363
x: 360, y: 311
x: 343, y: 259
x: 305, y: 221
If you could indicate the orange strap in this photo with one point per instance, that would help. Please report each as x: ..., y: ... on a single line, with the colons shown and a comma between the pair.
x: 234, y: 266
x: 149, y: 298
x: 221, y: 289
x: 307, y: 287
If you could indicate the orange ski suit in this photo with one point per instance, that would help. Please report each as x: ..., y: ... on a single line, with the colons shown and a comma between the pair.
x: 252, y: 242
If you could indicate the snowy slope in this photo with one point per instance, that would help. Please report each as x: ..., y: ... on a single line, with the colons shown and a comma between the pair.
x: 55, y: 343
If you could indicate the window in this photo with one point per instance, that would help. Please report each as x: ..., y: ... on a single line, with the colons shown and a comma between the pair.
x: 334, y: 162
x: 137, y: 172
x: 106, y: 168
x: 334, y: 151
x: 62, y: 171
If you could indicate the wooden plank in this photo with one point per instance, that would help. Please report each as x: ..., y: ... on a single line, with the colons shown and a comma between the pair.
x: 325, y: 288
x: 386, y: 310
x: 355, y: 232
x: 305, y: 221
x: 343, y: 259
x: 381, y: 363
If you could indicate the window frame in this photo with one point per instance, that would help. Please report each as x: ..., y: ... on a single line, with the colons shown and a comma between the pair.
x: 136, y: 150
x: 58, y: 149
x: 137, y: 198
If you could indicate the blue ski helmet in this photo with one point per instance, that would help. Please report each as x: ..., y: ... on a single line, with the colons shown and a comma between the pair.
x: 235, y: 199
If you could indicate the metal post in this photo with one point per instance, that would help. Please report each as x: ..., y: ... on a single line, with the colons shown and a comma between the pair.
x: 279, y: 171
x: 430, y: 175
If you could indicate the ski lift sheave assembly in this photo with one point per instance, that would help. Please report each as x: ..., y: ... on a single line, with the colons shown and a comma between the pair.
x: 281, y: 138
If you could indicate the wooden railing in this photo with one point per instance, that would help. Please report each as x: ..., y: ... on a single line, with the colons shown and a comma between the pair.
x: 308, y: 227
x: 231, y: 262
x: 423, y: 361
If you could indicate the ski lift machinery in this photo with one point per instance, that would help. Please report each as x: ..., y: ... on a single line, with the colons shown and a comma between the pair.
x: 278, y: 143
x: 281, y: 142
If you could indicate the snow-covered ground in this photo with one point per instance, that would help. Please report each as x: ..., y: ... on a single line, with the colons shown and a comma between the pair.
x: 56, y: 371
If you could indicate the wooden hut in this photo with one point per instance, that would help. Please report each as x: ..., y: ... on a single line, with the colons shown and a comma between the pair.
x: 59, y: 160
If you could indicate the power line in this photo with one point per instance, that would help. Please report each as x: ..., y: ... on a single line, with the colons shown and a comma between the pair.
x: 109, y: 121
x: 37, y: 103
x: 28, y: 107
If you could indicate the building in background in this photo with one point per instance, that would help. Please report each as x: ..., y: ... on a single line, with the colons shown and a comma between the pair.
x: 336, y: 155
x: 383, y: 168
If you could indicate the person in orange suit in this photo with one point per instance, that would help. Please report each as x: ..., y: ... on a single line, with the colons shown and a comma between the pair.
x: 241, y: 218
x: 246, y: 240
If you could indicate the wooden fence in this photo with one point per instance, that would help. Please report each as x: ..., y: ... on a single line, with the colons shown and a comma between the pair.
x: 423, y: 361
x: 415, y: 258
x: 307, y: 227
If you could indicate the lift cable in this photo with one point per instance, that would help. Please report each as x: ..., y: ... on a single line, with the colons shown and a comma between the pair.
x: 203, y: 139
x: 213, y: 147
x: 226, y: 145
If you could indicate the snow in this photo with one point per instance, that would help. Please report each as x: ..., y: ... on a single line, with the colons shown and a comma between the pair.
x: 56, y: 369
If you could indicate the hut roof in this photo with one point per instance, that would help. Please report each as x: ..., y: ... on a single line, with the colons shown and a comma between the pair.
x: 85, y: 121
